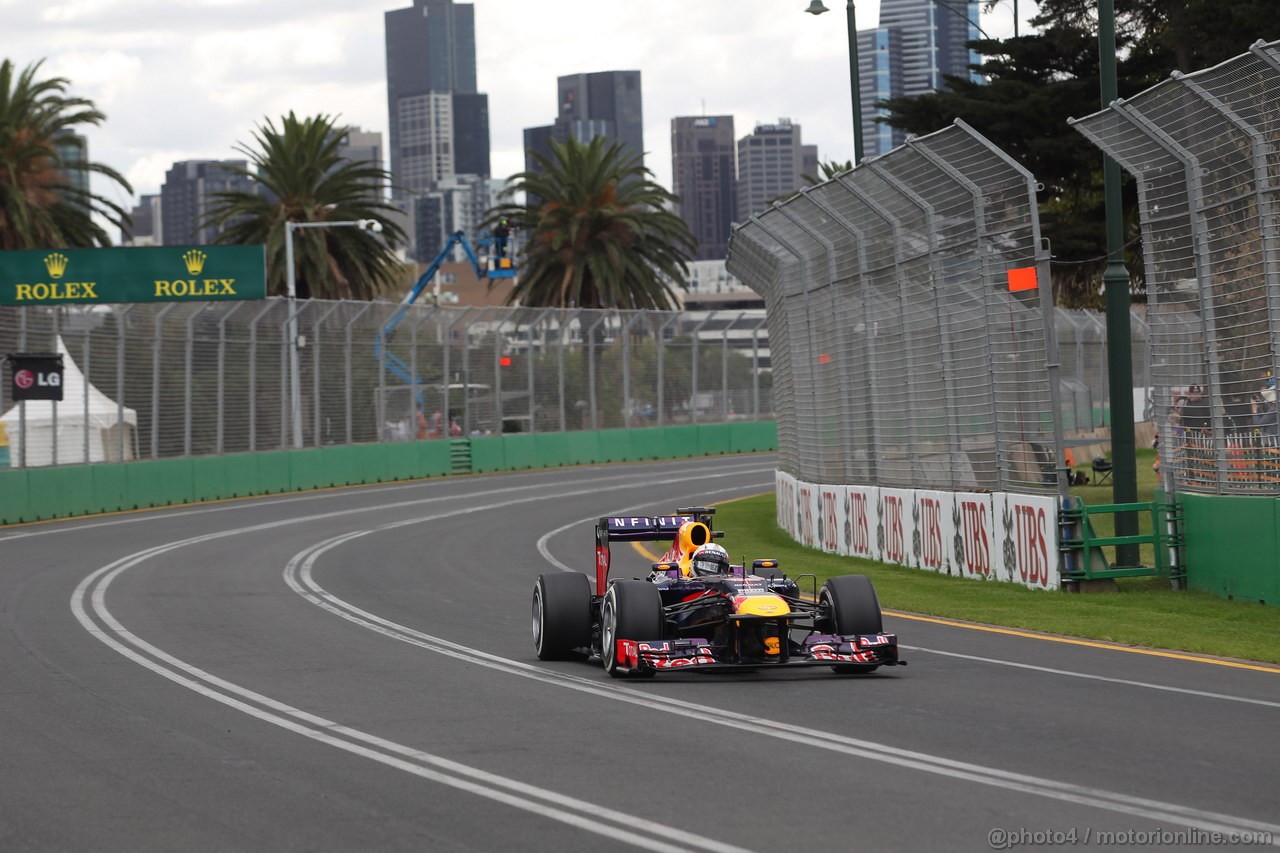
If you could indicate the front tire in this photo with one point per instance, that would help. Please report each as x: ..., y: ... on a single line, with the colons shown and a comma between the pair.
x: 561, y: 615
x: 632, y: 610
x: 852, y: 607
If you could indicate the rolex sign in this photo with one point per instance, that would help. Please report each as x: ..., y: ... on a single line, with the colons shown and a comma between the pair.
x: 36, y: 376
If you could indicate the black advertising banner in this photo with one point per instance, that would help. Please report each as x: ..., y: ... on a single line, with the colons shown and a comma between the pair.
x: 36, y: 376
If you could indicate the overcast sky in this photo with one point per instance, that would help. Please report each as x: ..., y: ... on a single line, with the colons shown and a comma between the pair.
x: 192, y: 79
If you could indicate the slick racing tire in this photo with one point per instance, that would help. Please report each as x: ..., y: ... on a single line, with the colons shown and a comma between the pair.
x: 561, y: 615
x: 632, y: 610
x: 853, y: 608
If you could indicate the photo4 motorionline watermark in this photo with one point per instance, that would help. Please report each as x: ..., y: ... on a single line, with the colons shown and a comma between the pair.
x: 1002, y: 838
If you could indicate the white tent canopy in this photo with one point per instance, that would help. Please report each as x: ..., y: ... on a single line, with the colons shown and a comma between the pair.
x: 86, y: 426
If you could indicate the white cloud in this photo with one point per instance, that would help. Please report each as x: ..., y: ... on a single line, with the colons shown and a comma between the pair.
x: 191, y: 79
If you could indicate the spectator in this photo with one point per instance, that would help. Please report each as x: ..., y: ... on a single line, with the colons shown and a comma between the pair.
x: 1195, y: 414
x: 501, y: 233
x: 1264, y: 413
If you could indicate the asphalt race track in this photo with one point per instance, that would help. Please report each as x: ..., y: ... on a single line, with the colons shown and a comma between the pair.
x: 353, y: 670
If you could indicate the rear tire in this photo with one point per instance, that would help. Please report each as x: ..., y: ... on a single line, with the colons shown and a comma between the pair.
x: 853, y: 608
x: 561, y: 615
x: 632, y: 610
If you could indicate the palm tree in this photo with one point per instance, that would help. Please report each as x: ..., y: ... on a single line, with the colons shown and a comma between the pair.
x: 599, y: 234
x: 303, y: 178
x: 40, y: 206
x: 829, y: 170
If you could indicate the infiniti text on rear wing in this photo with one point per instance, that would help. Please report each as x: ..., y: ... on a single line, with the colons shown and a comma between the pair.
x: 631, y: 528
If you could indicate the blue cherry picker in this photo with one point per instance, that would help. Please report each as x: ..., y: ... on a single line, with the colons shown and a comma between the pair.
x: 497, y: 266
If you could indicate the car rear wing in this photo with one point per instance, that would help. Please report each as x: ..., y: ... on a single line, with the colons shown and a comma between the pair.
x: 644, y: 528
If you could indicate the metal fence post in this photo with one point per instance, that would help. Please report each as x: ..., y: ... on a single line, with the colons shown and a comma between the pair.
x: 222, y: 377
x: 155, y: 378
x: 253, y: 375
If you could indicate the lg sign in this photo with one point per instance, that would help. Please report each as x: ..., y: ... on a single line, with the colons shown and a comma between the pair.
x: 36, y: 376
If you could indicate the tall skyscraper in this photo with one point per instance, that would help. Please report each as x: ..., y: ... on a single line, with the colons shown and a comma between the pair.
x: 365, y: 149
x: 456, y: 203
x: 772, y: 163
x: 918, y: 44
x: 603, y: 103
x: 880, y: 74
x: 438, y: 122
x: 73, y: 148
x: 933, y: 39
x: 145, y: 228
x: 704, y: 169
x: 189, y: 191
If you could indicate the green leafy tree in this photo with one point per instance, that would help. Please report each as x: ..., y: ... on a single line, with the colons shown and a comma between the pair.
x: 598, y: 232
x: 302, y: 177
x: 1036, y: 82
x: 40, y: 207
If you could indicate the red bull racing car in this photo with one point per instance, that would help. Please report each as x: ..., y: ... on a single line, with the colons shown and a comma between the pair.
x: 696, y: 610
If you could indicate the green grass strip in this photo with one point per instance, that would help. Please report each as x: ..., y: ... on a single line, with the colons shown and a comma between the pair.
x: 1143, y: 612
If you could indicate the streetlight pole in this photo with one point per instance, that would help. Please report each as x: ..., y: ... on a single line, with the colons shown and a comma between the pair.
x: 1115, y: 282
x: 855, y: 85
x: 295, y: 383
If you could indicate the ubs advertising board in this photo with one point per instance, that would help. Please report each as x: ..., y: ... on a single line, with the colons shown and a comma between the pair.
x: 132, y: 274
x: 986, y: 536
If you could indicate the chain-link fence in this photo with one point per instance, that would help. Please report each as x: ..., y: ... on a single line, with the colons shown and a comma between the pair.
x: 160, y: 380
x: 905, y: 350
x: 1083, y: 378
x: 1203, y: 148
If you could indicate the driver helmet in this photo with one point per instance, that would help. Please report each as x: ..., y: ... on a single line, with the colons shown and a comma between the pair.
x: 709, y: 559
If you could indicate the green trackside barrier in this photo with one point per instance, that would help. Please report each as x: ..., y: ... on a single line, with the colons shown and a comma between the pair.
x: 714, y: 439
x: 60, y: 492
x: 648, y: 443
x: 1233, y: 546
x: 614, y: 445
x: 552, y: 449
x: 48, y: 495
x: 109, y: 489
x: 159, y: 482
x: 434, y: 459
x: 753, y: 436
x: 520, y: 451
x: 584, y: 448
x: 273, y: 473
x: 15, y: 499
x: 487, y: 454
x: 680, y: 441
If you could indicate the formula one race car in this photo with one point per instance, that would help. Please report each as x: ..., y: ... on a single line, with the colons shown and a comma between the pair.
x: 696, y: 610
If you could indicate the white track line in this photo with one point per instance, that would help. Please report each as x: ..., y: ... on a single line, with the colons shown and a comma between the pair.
x: 298, y: 575
x: 580, y: 814
x: 1146, y: 685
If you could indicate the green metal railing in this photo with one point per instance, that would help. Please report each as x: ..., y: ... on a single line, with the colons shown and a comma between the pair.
x: 1082, y: 557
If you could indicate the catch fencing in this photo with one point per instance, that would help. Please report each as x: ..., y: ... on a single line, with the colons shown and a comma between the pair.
x: 158, y: 380
x: 908, y: 335
x: 1205, y: 151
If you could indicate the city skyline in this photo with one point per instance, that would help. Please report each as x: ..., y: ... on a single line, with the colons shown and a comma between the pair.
x: 193, y: 82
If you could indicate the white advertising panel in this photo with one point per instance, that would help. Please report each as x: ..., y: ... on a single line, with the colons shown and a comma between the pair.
x: 970, y: 530
x: 830, y: 517
x: 859, y: 525
x: 929, y: 550
x: 893, y: 527
x: 1027, y: 526
x: 807, y: 514
x: 785, y: 501
x: 1004, y: 537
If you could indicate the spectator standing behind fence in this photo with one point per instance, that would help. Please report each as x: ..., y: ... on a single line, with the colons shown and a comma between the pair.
x: 1239, y: 414
x: 1195, y: 414
x: 1264, y: 412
